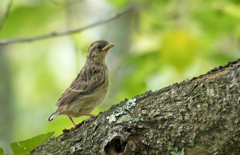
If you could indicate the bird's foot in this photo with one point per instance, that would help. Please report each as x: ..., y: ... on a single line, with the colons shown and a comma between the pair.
x: 91, y: 116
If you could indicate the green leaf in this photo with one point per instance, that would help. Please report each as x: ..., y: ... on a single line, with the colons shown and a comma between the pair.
x: 169, y: 147
x: 119, y: 4
x: 236, y: 138
x: 26, y: 146
x: 178, y: 48
x: 1, y: 151
x: 178, y: 153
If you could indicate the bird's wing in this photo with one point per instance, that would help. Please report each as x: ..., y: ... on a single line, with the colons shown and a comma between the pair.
x: 89, y: 79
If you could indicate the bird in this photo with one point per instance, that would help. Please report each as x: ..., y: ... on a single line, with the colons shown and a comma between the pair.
x: 89, y: 88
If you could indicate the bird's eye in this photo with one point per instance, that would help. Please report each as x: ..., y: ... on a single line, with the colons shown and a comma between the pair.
x: 99, y: 47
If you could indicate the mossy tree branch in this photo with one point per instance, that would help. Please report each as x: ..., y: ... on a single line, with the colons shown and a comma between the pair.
x: 200, y: 116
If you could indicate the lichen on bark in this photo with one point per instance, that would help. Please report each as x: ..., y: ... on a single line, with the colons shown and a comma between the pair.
x: 200, y: 116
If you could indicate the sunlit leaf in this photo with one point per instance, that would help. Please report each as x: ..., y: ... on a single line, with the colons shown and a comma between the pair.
x: 26, y: 146
x: 178, y: 48
x: 119, y: 4
x: 233, y: 10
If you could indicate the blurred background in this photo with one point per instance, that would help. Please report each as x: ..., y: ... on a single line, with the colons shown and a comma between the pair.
x: 158, y: 43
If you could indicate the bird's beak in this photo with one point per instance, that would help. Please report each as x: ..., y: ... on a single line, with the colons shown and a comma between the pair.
x: 107, y: 47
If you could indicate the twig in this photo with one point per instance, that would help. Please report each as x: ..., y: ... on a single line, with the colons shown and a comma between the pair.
x: 6, y: 14
x: 58, y: 34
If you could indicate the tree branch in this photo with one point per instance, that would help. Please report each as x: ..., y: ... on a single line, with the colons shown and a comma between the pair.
x: 200, y: 116
x: 64, y: 33
x: 6, y: 14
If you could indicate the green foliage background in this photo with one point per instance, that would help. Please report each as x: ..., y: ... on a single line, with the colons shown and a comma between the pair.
x: 159, y: 43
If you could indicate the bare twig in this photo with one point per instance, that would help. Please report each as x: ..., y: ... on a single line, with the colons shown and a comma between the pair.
x: 64, y: 33
x: 6, y: 14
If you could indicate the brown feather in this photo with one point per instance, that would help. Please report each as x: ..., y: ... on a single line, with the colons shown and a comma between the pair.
x: 89, y: 88
x: 89, y: 78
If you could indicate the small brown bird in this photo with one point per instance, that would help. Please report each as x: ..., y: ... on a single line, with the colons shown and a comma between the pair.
x: 89, y: 88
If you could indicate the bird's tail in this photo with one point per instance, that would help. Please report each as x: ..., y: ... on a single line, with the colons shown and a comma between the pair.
x: 55, y: 114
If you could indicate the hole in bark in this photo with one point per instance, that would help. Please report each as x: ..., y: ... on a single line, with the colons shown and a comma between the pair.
x: 115, y: 146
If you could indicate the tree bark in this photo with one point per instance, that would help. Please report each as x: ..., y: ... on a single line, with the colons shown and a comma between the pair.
x: 200, y: 116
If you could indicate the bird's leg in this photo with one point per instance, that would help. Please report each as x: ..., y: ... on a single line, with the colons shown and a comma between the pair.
x: 87, y: 114
x: 72, y: 121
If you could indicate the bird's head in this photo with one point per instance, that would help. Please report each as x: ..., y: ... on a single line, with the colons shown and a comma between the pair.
x: 98, y: 51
